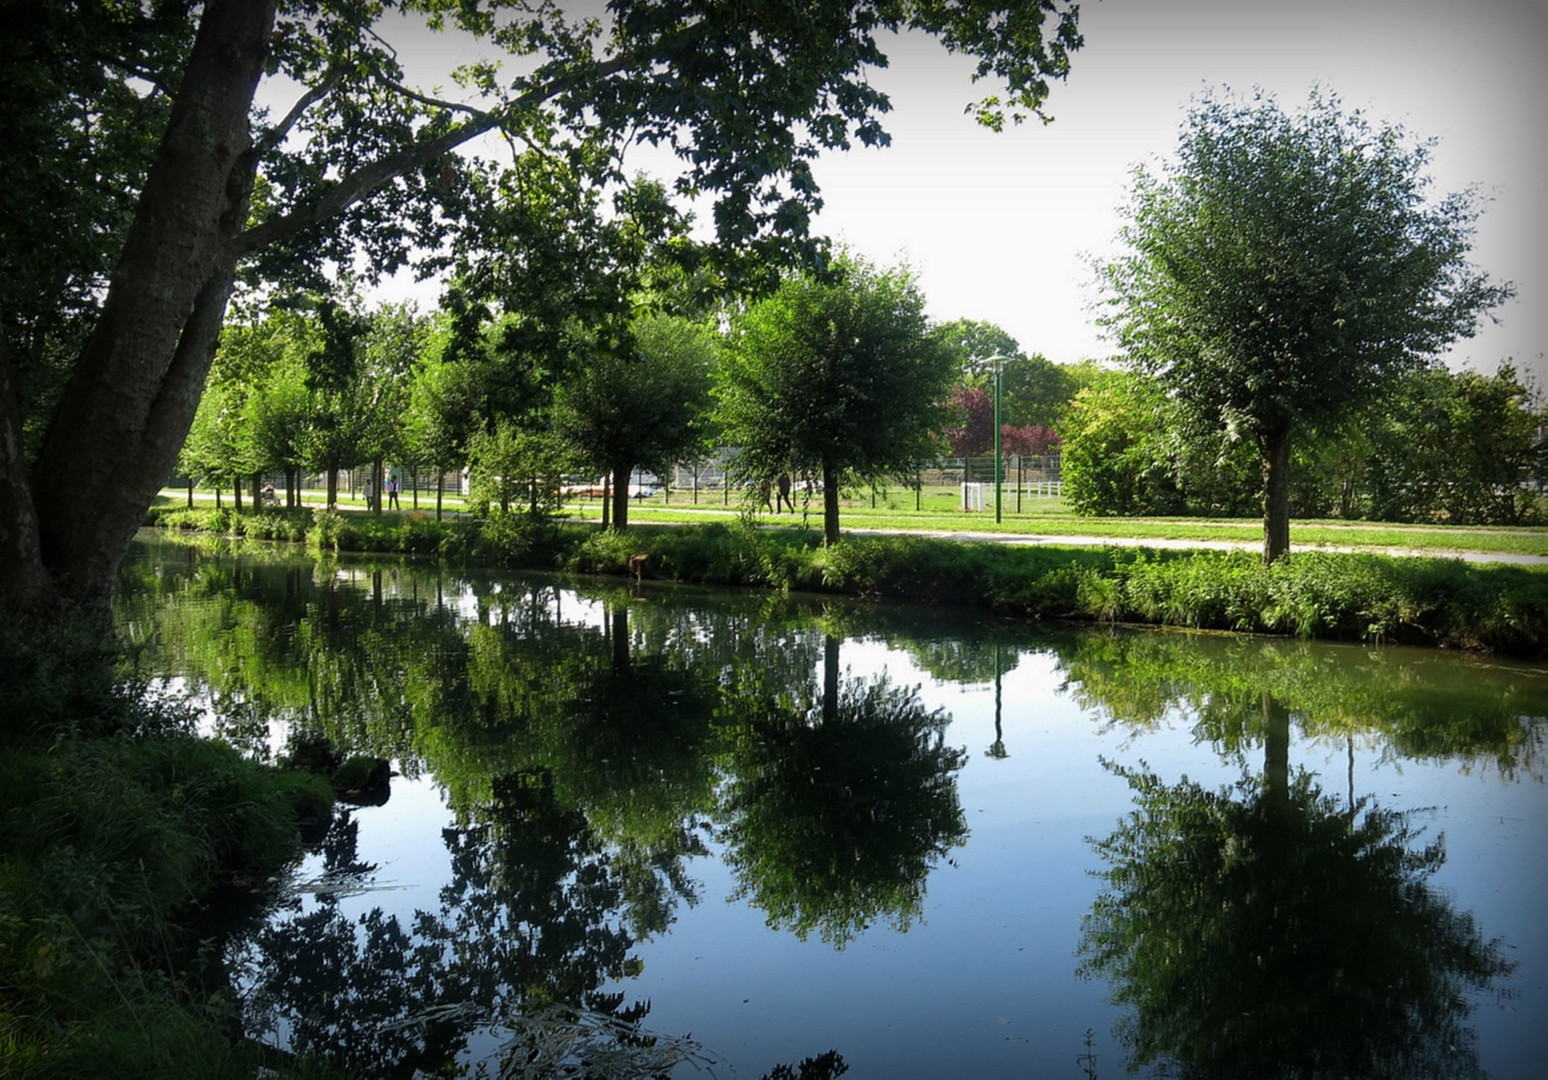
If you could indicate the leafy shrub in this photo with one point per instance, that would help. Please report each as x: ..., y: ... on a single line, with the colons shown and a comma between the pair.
x: 1309, y: 593
x: 115, y: 823
x: 326, y: 529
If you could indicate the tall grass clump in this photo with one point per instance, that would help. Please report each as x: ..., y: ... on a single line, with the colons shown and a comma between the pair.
x: 118, y: 827
x: 1379, y: 598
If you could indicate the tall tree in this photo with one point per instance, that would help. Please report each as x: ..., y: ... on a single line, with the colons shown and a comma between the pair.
x: 443, y: 410
x: 836, y: 378
x: 746, y: 95
x: 641, y: 407
x: 1286, y: 268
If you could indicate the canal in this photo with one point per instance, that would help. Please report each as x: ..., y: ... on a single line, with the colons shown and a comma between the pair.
x: 663, y: 830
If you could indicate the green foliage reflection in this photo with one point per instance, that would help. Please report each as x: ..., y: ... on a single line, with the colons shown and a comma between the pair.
x: 839, y: 802
x: 1414, y: 702
x: 530, y: 917
x: 1282, y: 934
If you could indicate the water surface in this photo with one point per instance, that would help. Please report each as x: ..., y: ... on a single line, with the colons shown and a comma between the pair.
x: 756, y: 829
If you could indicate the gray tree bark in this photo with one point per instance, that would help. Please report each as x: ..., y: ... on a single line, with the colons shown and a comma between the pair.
x: 132, y: 397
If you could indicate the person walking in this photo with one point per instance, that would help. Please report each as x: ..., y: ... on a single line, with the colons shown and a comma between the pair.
x: 784, y: 495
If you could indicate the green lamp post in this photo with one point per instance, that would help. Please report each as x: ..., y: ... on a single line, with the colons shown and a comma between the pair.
x: 999, y: 443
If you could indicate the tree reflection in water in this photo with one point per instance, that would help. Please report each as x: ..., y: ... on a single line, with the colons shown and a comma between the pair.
x: 838, y: 803
x: 1270, y: 930
x: 581, y: 774
x: 531, y: 917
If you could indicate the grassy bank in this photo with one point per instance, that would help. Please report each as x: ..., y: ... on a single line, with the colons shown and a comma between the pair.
x: 119, y: 829
x: 1349, y: 596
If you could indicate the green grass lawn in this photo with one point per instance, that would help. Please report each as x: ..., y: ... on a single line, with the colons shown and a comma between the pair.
x: 938, y: 512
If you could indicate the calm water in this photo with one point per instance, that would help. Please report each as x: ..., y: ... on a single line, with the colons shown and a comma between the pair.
x: 733, y: 831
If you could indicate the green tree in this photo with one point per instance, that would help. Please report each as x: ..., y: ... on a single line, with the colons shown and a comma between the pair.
x: 1115, y: 462
x: 645, y: 407
x: 1286, y: 269
x: 444, y: 399
x: 212, y: 451
x: 836, y: 378
x: 361, y: 167
x: 516, y: 465
x: 972, y: 342
x: 263, y: 416
x: 1459, y: 447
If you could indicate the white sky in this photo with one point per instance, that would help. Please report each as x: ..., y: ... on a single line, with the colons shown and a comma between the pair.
x: 999, y: 226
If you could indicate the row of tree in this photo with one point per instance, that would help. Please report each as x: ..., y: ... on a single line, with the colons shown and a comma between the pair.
x: 1281, y: 271
x: 835, y: 379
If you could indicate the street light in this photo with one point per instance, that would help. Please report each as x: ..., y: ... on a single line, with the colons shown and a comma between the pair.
x: 999, y: 448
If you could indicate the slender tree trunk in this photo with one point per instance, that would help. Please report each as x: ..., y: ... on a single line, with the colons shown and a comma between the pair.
x: 333, y: 485
x: 830, y: 679
x: 133, y: 392
x: 830, y: 505
x: 620, y: 636
x: 1276, y: 754
x: 377, y: 479
x: 25, y: 585
x: 1274, y: 445
x: 236, y: 492
x: 440, y: 488
x: 621, y: 497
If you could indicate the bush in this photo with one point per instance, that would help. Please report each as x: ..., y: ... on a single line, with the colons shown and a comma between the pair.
x: 1310, y: 593
x: 116, y: 825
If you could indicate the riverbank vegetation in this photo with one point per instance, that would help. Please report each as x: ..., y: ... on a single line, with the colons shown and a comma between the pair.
x: 127, y: 843
x: 1339, y: 595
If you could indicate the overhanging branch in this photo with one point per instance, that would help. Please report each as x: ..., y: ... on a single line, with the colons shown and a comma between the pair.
x: 366, y: 180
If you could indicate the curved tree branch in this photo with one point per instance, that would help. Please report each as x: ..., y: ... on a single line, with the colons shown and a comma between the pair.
x: 364, y: 181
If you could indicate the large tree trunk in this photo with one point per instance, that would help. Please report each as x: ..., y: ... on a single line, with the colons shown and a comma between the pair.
x: 132, y: 396
x: 830, y: 505
x: 621, y: 497
x: 1274, y: 445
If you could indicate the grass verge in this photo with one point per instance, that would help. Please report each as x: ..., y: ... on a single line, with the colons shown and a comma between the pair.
x: 1349, y: 596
